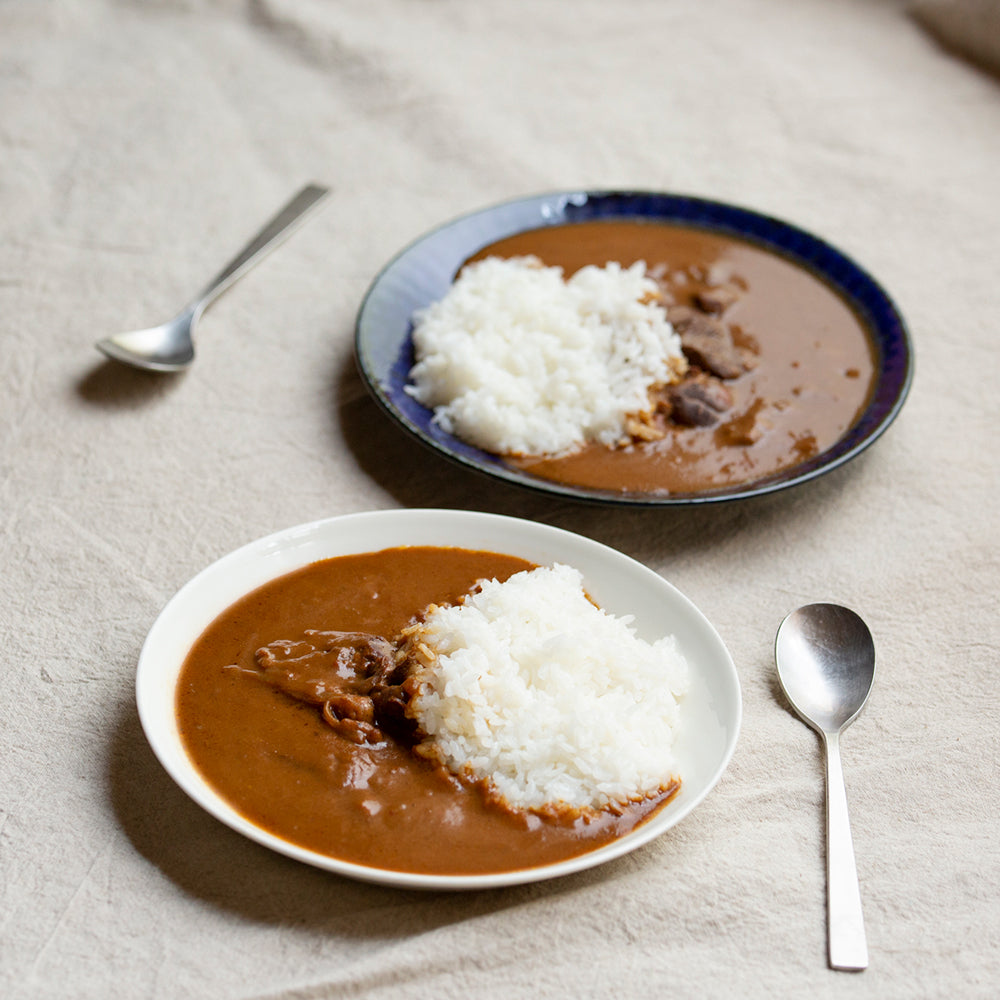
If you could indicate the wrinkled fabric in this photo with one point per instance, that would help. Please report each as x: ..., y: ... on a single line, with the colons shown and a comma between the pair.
x: 968, y: 28
x: 142, y: 143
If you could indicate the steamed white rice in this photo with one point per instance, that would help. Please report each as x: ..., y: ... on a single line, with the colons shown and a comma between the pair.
x: 555, y: 702
x: 515, y: 360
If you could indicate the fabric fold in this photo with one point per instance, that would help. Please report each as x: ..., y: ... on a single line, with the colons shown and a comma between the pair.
x: 967, y: 28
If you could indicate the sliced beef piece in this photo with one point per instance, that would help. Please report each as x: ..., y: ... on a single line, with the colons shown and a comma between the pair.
x: 708, y: 344
x: 698, y: 401
x: 353, y: 675
x: 304, y: 671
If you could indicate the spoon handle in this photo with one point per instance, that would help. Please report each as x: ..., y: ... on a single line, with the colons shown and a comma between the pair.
x: 846, y: 924
x: 265, y: 240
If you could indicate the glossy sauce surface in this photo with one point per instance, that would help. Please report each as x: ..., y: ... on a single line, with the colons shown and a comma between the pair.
x: 812, y: 373
x: 281, y: 766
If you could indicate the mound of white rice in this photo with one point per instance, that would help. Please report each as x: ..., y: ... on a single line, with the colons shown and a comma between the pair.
x: 515, y: 360
x: 557, y: 703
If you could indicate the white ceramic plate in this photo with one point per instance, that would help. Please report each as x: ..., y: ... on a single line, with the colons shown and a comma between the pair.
x: 711, y: 711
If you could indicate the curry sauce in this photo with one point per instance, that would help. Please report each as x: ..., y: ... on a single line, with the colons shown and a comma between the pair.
x: 279, y: 764
x: 804, y: 366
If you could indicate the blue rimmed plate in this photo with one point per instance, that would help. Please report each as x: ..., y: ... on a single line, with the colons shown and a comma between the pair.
x: 423, y: 271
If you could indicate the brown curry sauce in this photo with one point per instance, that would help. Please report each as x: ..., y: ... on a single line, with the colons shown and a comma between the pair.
x: 809, y: 368
x: 280, y: 765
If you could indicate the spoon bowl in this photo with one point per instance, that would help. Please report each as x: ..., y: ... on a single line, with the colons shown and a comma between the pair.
x: 170, y: 346
x: 826, y: 665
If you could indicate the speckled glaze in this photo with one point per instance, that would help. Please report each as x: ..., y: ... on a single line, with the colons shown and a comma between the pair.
x: 423, y: 272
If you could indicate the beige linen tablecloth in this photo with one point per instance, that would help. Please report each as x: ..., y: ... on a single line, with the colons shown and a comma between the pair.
x: 140, y: 143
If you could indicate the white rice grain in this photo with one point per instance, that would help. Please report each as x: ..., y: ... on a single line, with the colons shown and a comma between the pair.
x: 515, y: 360
x: 553, y: 701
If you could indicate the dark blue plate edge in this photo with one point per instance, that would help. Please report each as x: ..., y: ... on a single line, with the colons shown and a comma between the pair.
x: 886, y: 326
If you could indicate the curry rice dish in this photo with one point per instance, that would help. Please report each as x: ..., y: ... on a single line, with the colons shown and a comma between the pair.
x: 777, y: 366
x: 310, y: 705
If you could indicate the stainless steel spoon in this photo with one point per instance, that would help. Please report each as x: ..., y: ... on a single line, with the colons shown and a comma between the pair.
x: 170, y: 347
x: 826, y: 665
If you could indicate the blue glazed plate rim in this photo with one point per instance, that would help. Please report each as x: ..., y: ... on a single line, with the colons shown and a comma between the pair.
x: 423, y: 270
